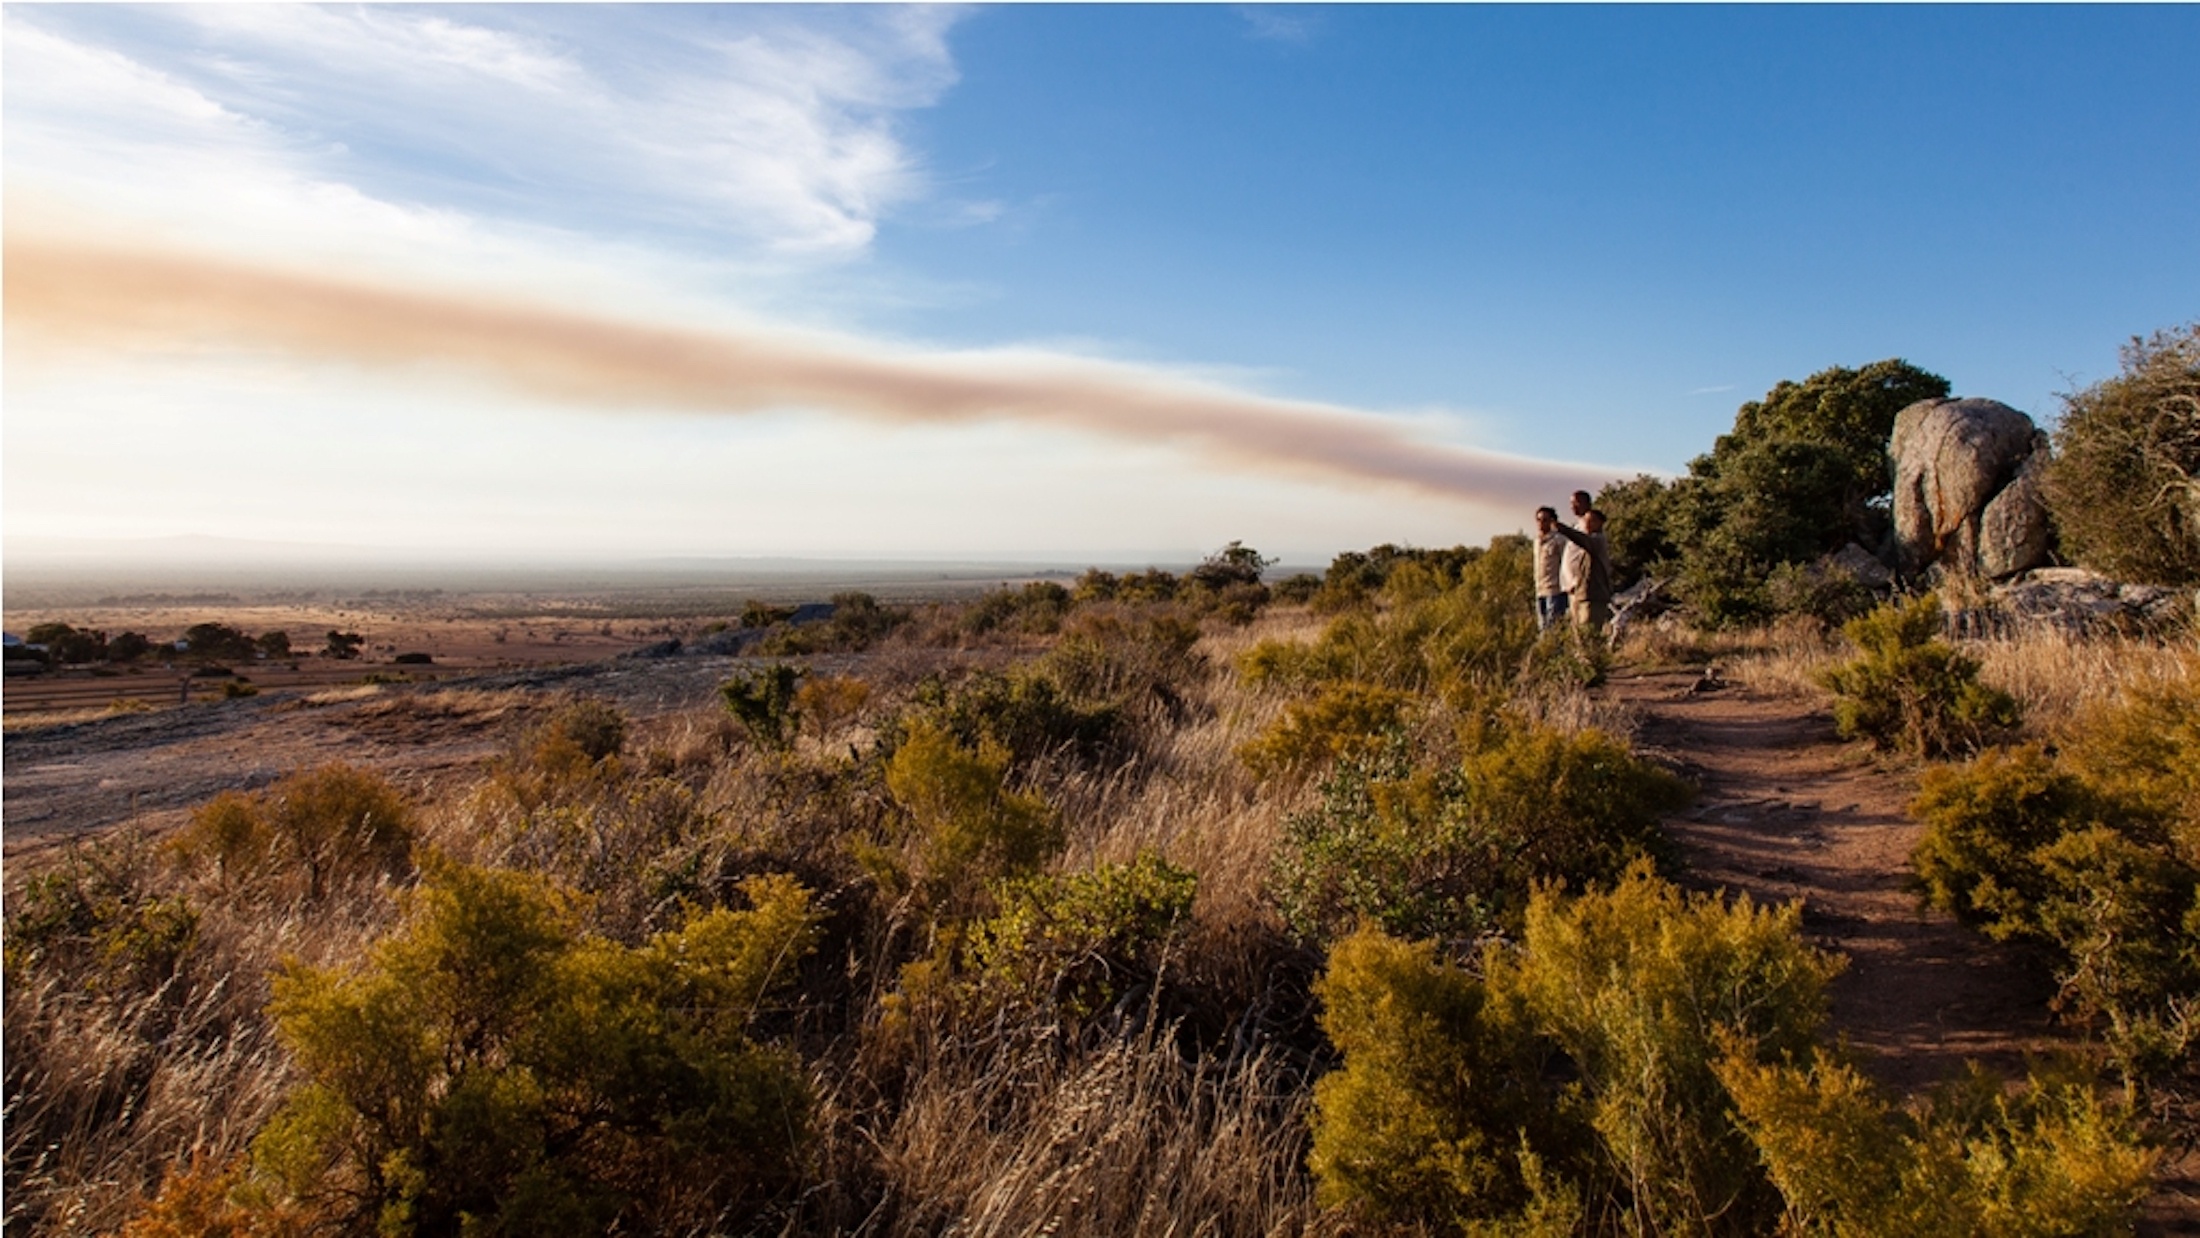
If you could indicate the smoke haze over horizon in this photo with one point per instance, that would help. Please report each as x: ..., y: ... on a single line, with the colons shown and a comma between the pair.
x: 67, y: 291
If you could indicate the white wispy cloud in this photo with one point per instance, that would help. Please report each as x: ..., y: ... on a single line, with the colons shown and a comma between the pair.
x: 761, y: 128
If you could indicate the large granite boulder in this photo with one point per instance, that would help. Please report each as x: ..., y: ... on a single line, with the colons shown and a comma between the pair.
x: 2015, y: 533
x: 1952, y: 459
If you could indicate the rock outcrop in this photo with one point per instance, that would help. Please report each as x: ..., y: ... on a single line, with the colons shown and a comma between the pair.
x: 1954, y: 460
x: 2072, y: 602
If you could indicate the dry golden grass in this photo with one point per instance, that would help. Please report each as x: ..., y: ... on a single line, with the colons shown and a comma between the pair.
x: 1126, y: 1138
x: 2056, y: 679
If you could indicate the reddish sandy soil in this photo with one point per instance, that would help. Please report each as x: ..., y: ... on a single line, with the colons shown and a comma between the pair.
x: 1787, y: 810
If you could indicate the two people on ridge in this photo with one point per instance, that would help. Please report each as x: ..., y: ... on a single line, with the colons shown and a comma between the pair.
x: 1573, y: 568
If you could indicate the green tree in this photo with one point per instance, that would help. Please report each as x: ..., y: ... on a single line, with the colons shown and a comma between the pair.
x: 2124, y: 485
x: 1803, y: 472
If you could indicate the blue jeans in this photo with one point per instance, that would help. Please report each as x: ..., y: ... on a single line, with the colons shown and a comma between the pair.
x: 1550, y: 610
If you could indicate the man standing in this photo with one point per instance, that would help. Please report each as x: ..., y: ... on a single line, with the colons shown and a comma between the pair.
x: 1571, y: 568
x: 1550, y: 551
x: 1592, y: 590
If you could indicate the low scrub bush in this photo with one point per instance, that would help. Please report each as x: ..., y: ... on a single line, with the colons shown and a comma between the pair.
x: 1342, y: 721
x: 1910, y: 691
x: 763, y: 702
x: 1024, y: 712
x: 1036, y: 609
x: 1451, y: 852
x: 101, y: 919
x: 1573, y: 1083
x: 333, y: 824
x: 1972, y: 1158
x: 2091, y: 854
x: 1076, y: 944
x: 1435, y: 631
x: 491, y: 1069
x: 966, y: 831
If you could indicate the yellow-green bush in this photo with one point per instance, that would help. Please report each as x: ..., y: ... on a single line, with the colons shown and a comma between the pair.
x: 333, y: 823
x: 1578, y: 1076
x: 967, y: 829
x: 1910, y: 691
x: 100, y: 919
x: 2089, y: 853
x: 1432, y: 632
x: 1971, y: 1160
x: 1077, y: 943
x: 1454, y: 851
x: 1638, y: 987
x: 492, y: 1069
x: 1340, y: 722
x: 1425, y: 1118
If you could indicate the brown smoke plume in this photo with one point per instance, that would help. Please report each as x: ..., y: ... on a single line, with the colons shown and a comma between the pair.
x: 114, y: 297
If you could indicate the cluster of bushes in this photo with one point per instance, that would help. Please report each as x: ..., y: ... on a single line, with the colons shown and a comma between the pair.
x: 1644, y: 1061
x: 2093, y: 854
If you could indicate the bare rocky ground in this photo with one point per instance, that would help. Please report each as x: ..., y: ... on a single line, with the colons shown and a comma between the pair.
x: 150, y: 769
x: 1787, y: 811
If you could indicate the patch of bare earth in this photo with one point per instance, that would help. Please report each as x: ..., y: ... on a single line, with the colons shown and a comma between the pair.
x: 1787, y: 810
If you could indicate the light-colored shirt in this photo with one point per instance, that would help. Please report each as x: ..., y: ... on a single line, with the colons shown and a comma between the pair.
x: 1571, y: 567
x: 1550, y: 552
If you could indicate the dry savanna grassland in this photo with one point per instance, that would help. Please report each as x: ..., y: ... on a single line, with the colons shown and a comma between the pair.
x: 1151, y: 904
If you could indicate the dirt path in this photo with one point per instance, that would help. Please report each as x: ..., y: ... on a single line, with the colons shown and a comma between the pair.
x: 1786, y: 811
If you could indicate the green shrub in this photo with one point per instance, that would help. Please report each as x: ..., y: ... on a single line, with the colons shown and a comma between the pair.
x: 1079, y: 942
x: 763, y: 702
x: 1424, y: 1120
x: 1025, y: 712
x: 1830, y: 594
x: 2089, y: 855
x: 1576, y: 1084
x: 596, y: 728
x: 858, y: 621
x: 492, y: 1070
x: 1454, y: 852
x: 968, y: 830
x: 1037, y: 608
x: 1341, y: 722
x: 1972, y: 1159
x: 1910, y: 691
x: 1131, y: 659
x: 1642, y: 987
x: 2124, y: 485
x: 97, y: 918
x: 1438, y: 631
x: 335, y: 823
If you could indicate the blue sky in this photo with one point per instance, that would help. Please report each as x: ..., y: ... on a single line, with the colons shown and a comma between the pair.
x: 1108, y: 282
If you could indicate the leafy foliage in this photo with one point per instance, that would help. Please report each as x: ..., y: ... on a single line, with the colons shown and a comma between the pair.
x: 1444, y: 1109
x: 1340, y: 722
x: 2124, y: 485
x: 763, y: 702
x: 968, y: 830
x: 1910, y: 691
x: 100, y: 917
x: 1079, y: 942
x: 2091, y: 853
x: 492, y: 1069
x: 2052, y: 1159
x: 335, y: 823
x: 1803, y: 473
x: 1454, y: 852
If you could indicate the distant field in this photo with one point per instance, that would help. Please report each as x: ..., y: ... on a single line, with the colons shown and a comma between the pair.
x: 514, y: 620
